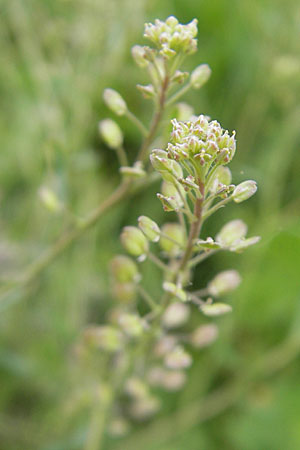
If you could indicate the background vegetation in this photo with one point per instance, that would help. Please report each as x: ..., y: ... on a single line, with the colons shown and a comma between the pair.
x: 56, y: 57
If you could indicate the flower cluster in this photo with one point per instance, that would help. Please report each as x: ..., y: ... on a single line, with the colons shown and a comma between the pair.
x: 171, y: 37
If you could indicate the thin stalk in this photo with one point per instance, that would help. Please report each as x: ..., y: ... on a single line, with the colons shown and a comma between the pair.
x: 158, y: 262
x: 132, y: 117
x: 155, y: 121
x: 216, y: 207
x: 122, y: 157
x: 148, y: 299
x: 178, y: 94
x: 199, y: 258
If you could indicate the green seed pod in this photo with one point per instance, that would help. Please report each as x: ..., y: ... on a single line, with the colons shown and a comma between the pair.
x: 124, y: 269
x: 200, y: 76
x: 49, y: 199
x: 215, y: 309
x: 204, y: 335
x: 176, y: 315
x: 111, y: 133
x: 149, y: 228
x: 176, y: 233
x: 224, y: 282
x: 134, y: 241
x: 244, y: 190
x: 105, y: 337
x: 175, y: 291
x: 232, y: 232
x: 131, y: 324
x: 124, y: 292
x: 114, y: 102
x: 178, y: 358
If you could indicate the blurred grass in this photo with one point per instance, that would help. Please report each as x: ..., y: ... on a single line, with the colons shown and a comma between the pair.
x: 56, y: 58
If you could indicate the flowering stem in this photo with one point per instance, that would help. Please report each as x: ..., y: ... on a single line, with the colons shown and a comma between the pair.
x: 194, y: 229
x: 156, y: 120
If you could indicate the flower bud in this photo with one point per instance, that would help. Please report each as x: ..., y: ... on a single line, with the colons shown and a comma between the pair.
x: 204, y: 335
x: 149, y: 228
x: 184, y: 111
x: 242, y: 244
x: 164, y: 345
x: 147, y: 91
x: 111, y: 133
x: 124, y: 292
x: 168, y: 168
x: 131, y: 324
x: 134, y: 241
x: 200, y: 76
x: 114, y: 102
x: 179, y: 77
x: 124, y: 269
x: 133, y: 172
x: 138, y: 54
x: 118, y: 427
x: 49, y: 199
x: 137, y: 388
x: 215, y: 309
x: 170, y: 190
x: 175, y: 291
x: 176, y: 315
x: 178, y: 358
x: 104, y: 337
x: 173, y: 380
x: 244, y: 190
x: 231, y: 232
x: 176, y: 233
x: 144, y: 408
x: 224, y: 282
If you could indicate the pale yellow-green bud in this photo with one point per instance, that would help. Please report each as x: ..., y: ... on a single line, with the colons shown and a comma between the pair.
x: 170, y: 190
x: 231, y: 232
x: 49, y: 199
x: 134, y: 241
x: 118, y: 427
x: 178, y: 358
x: 139, y: 56
x: 105, y: 337
x: 224, y: 282
x: 200, y: 76
x: 147, y: 91
x: 149, y: 228
x: 244, y: 190
x: 131, y: 324
x: 215, y: 309
x: 176, y: 315
x: 124, y: 292
x: 176, y: 291
x: 144, y: 408
x: 137, y: 388
x: 204, y: 335
x: 184, y: 111
x: 111, y: 133
x: 114, y: 101
x: 176, y: 233
x: 134, y: 172
x: 124, y: 269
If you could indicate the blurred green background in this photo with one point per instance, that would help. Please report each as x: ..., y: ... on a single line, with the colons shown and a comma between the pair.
x: 56, y: 57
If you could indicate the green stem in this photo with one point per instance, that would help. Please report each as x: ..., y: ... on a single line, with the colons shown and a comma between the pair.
x: 98, y: 421
x: 148, y: 299
x: 158, y: 262
x: 156, y: 120
x: 122, y: 157
x: 178, y: 94
x: 132, y: 117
